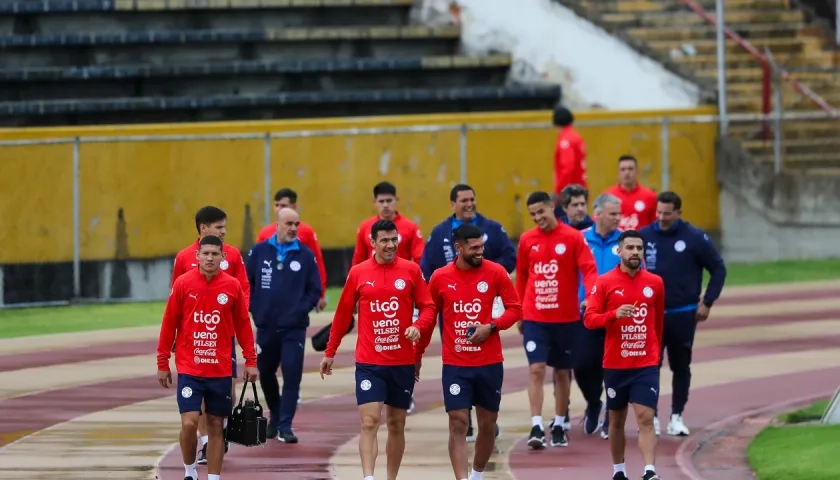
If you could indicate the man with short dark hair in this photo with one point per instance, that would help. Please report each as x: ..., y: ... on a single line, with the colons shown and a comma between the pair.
x: 573, y: 207
x: 285, y: 287
x: 638, y: 204
x: 550, y: 261
x: 440, y: 249
x: 464, y: 293
x: 679, y: 252
x: 206, y: 309
x: 629, y: 303
x: 287, y: 198
x: 410, y: 239
x: 212, y: 221
x: 569, y: 152
x: 386, y: 288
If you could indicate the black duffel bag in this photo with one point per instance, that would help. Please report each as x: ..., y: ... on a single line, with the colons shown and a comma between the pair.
x: 247, y: 425
x: 322, y: 336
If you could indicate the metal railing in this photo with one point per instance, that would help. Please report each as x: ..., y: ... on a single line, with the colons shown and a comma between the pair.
x: 463, y: 130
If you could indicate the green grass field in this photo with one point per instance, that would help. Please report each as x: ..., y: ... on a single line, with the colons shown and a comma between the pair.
x: 803, y: 452
x: 40, y: 321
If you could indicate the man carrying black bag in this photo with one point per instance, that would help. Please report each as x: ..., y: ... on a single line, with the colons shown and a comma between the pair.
x: 285, y: 287
x: 322, y: 336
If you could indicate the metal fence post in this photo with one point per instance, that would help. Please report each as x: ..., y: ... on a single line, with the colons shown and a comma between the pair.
x: 777, y: 125
x: 665, y: 144
x: 267, y: 178
x: 77, y: 221
x: 720, y: 30
x: 463, y: 154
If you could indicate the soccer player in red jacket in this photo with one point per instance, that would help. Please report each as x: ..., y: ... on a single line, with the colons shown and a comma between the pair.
x: 569, y: 153
x: 206, y: 308
x: 212, y: 221
x: 630, y: 303
x: 464, y: 292
x: 638, y: 204
x: 410, y: 239
x: 287, y: 198
x: 386, y: 288
x: 550, y: 261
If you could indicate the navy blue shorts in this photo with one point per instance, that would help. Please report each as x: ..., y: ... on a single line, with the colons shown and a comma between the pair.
x: 549, y: 343
x: 464, y: 387
x: 391, y: 384
x: 214, y: 391
x: 635, y: 385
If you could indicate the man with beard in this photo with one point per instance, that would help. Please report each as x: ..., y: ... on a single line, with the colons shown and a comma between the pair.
x: 440, y: 250
x: 629, y: 302
x: 464, y: 293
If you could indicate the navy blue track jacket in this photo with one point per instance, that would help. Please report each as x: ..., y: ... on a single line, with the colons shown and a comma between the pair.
x: 440, y: 247
x: 679, y: 255
x: 282, y: 297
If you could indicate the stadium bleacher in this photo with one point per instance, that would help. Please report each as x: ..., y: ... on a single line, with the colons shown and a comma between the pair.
x: 76, y: 62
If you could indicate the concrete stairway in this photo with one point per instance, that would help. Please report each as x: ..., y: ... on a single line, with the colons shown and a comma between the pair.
x: 685, y: 42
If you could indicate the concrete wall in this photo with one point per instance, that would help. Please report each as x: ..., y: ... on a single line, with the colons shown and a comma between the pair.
x: 765, y: 216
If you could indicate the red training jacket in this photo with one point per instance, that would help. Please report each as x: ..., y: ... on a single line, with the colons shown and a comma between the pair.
x: 638, y: 206
x: 569, y: 160
x: 306, y: 235
x: 387, y: 295
x: 232, y: 265
x: 465, y: 297
x: 410, y: 246
x: 634, y: 342
x: 548, y: 269
x: 201, y: 317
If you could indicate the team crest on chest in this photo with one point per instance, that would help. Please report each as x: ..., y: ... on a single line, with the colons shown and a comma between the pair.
x: 222, y: 299
x: 679, y: 246
x: 482, y: 287
x: 560, y: 248
x: 294, y: 265
x: 224, y: 265
x: 639, y: 205
x: 647, y: 292
x: 399, y: 284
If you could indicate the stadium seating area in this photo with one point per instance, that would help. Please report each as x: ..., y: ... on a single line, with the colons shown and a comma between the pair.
x: 684, y: 40
x: 66, y: 62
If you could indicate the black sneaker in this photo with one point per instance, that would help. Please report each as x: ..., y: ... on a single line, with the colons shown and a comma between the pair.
x: 287, y: 437
x: 592, y: 418
x: 650, y: 475
x: 558, y: 437
x: 537, y: 438
x: 189, y: 478
x: 620, y: 476
x: 270, y: 431
x: 202, y: 456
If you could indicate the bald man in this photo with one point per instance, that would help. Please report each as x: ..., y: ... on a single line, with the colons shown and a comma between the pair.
x: 285, y: 287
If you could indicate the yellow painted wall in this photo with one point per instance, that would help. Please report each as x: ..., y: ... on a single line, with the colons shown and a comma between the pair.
x: 160, y: 185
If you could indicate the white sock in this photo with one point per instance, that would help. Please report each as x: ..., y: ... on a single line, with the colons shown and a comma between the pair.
x: 190, y: 471
x: 619, y: 467
x: 213, y: 477
x: 649, y: 467
x: 204, y: 440
x: 224, y: 423
x: 559, y: 420
x: 370, y: 477
x: 476, y: 475
x: 536, y: 421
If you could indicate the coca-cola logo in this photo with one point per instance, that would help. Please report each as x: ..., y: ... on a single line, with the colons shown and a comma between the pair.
x: 633, y: 345
x: 388, y: 339
x: 209, y: 352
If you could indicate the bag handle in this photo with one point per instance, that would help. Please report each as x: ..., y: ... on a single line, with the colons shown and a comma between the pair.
x: 242, y: 395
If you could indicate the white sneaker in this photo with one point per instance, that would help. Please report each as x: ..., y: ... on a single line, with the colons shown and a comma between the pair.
x: 676, y: 427
x: 657, y: 429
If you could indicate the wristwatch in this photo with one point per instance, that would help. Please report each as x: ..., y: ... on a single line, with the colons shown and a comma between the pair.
x: 494, y: 328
